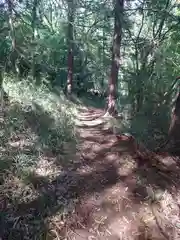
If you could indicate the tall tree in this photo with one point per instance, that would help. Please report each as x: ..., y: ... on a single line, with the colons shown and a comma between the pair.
x: 33, y: 25
x: 115, y: 64
x: 174, y: 135
x: 13, y: 55
x: 70, y: 45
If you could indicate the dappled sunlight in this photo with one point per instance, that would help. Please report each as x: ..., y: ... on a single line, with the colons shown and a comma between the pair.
x: 22, y: 143
x: 123, y: 227
x: 127, y: 168
x: 169, y: 209
x: 15, y: 191
x: 33, y: 155
x: 93, y: 184
x: 47, y: 168
x: 74, y: 178
x: 33, y: 96
x: 89, y: 120
x: 129, y: 208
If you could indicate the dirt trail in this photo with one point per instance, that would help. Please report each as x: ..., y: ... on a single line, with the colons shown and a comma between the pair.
x: 95, y: 191
x: 120, y: 197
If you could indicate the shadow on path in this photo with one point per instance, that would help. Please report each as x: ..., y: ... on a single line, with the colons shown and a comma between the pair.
x: 108, y: 195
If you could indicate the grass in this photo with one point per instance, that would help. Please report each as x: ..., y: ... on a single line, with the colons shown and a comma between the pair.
x: 39, y: 188
x: 36, y: 129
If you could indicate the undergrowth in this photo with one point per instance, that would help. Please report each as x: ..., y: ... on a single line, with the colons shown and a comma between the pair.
x: 36, y: 128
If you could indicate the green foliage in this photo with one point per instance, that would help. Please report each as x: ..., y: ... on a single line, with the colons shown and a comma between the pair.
x: 149, y: 52
x: 37, y: 121
x: 38, y: 126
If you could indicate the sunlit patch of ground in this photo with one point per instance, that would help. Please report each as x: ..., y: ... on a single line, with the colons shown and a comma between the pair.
x: 47, y: 168
x: 52, y: 188
x: 130, y: 208
x: 37, y: 125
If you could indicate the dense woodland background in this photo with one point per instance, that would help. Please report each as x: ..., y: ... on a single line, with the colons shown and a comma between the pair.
x: 59, y: 56
x: 70, y: 43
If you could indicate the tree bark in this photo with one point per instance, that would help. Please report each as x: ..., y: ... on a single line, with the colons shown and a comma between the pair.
x: 70, y: 45
x: 103, y: 54
x: 13, y: 55
x: 175, y: 119
x: 174, y: 128
x: 115, y: 64
x: 33, y: 25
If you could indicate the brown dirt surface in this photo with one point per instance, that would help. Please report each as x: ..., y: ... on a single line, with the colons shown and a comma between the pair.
x: 104, y: 191
x: 123, y: 197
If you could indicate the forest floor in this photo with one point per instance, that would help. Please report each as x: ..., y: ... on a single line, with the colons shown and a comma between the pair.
x: 122, y: 197
x: 96, y: 191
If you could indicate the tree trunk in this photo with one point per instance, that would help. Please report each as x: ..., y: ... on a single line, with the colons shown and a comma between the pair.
x: 13, y: 55
x: 3, y: 96
x: 33, y: 24
x: 174, y: 129
x: 70, y: 45
x: 172, y: 143
x: 103, y: 55
x: 140, y: 89
x: 113, y: 79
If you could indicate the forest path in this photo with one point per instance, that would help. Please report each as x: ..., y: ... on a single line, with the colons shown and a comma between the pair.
x: 93, y: 189
x: 121, y: 198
